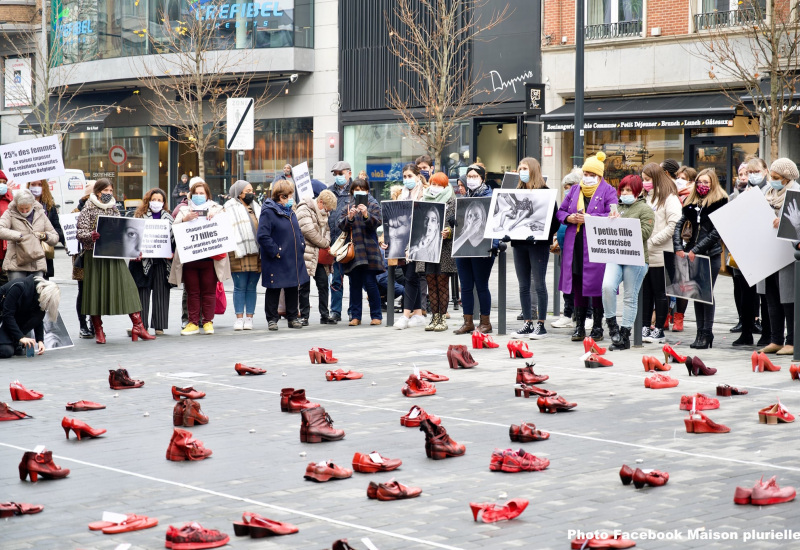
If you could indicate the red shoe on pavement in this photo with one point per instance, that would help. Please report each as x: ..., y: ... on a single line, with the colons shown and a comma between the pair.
x: 775, y: 414
x: 414, y: 387
x: 699, y: 423
x: 7, y: 413
x: 677, y: 322
x: 526, y: 432
x: 258, y: 527
x: 84, y: 406
x: 525, y: 375
x: 182, y: 446
x: 698, y: 402
x: 521, y: 461
x: 323, y: 471
x: 765, y: 364
x: 653, y: 478
x: 660, y: 381
x: 594, y: 361
x: 491, y: 513
x: 554, y: 404
x: 416, y: 415
x: 518, y: 349
x: 589, y: 345
x: 770, y: 493
x: 671, y: 353
x: 294, y: 401
x: 81, y: 429
x: 242, y: 369
x: 194, y: 536
x: 21, y: 393
x: 428, y: 376
x: 188, y: 393
x: 370, y: 463
x: 794, y: 370
x: 340, y: 374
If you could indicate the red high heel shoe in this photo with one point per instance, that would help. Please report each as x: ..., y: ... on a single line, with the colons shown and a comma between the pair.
x: 80, y: 428
x: 526, y: 375
x: 21, y: 393
x: 653, y: 478
x: 481, y: 340
x: 697, y: 368
x: 459, y: 357
x: 491, y: 513
x: 594, y: 361
x: 765, y: 364
x: 754, y: 361
x: 554, y: 404
x: 698, y: 423
x: 794, y: 370
x: 590, y: 345
x: 322, y: 356
x: 36, y: 464
x: 518, y: 349
x: 774, y: 414
x: 7, y: 413
x: 138, y: 330
x: 669, y: 352
x: 626, y: 474
x: 653, y: 364
x: 242, y: 369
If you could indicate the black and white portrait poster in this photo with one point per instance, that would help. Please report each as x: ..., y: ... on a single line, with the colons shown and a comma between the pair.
x: 56, y: 335
x: 471, y: 216
x: 520, y: 213
x: 396, y: 227
x: 119, y: 237
x: 427, y: 224
x: 789, y: 227
x: 688, y: 279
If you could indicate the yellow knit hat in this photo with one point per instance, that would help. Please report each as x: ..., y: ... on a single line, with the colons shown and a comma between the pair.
x: 595, y: 164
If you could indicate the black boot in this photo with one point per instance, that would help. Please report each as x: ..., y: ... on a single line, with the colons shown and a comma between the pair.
x: 580, y: 322
x: 625, y: 337
x: 697, y: 339
x: 705, y: 339
x: 85, y: 332
x: 597, y: 327
x: 613, y: 330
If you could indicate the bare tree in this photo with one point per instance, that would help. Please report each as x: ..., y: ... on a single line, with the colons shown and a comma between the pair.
x: 195, y: 71
x: 431, y: 39
x: 763, y: 58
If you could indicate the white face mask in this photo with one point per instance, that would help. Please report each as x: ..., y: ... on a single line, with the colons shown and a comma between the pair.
x: 473, y: 183
x: 156, y: 206
x: 680, y: 183
x: 36, y: 191
x: 434, y: 190
x: 590, y: 180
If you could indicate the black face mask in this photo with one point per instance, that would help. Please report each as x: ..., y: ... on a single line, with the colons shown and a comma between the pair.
x: 249, y: 198
x: 106, y: 198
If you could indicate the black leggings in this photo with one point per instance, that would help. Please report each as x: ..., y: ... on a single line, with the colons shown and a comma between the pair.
x: 438, y: 291
x: 654, y: 288
x: 779, y: 314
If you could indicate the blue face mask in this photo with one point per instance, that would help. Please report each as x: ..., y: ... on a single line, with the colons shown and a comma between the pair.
x: 198, y: 200
x: 410, y: 183
x: 3, y: 188
x: 341, y: 181
x: 776, y: 184
x: 524, y: 176
x: 425, y: 173
x: 290, y: 202
x: 755, y: 179
x: 627, y: 199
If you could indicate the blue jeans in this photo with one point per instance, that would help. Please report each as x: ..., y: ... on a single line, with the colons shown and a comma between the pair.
x: 631, y: 276
x: 474, y: 273
x: 337, y: 288
x: 362, y: 279
x: 244, y: 291
x: 530, y: 263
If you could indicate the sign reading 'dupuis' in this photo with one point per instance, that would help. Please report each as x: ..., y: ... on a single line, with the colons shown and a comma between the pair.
x: 202, y: 238
x: 33, y: 160
x: 614, y: 240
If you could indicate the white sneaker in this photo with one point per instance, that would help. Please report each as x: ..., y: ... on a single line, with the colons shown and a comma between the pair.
x: 563, y: 322
x: 401, y: 322
x: 238, y: 324
x: 417, y: 321
x: 589, y: 324
x: 248, y: 323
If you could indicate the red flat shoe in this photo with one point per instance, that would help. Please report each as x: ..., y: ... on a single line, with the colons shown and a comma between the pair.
x: 589, y: 345
x: 769, y: 493
x: 77, y: 406
x: 518, y: 349
x: 370, y: 463
x: 526, y: 432
x: 794, y: 370
x: 324, y: 471
x: 660, y: 381
x: 136, y: 523
x: 100, y: 525
x: 242, y: 369
x: 414, y: 387
x: 81, y: 429
x: 395, y: 491
x: 431, y: 377
x: 594, y: 361
x: 21, y: 393
x: 698, y: 402
x: 742, y: 495
x: 699, y: 423
x: 554, y: 404
x: 520, y: 461
x: 7, y: 413
x: 626, y: 474
x: 8, y: 509
x: 764, y: 364
x: 527, y: 391
x: 491, y: 513
x: 526, y: 375
x: 258, y: 527
x: 188, y: 393
x: 416, y: 415
x: 339, y: 374
x: 671, y: 353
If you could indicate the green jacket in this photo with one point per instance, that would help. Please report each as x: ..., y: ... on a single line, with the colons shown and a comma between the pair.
x: 640, y: 209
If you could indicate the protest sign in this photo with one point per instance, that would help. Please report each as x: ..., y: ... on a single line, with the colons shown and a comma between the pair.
x: 119, y: 237
x: 302, y: 181
x: 156, y: 241
x: 520, y: 213
x: 614, y: 240
x: 33, y: 160
x: 396, y: 227
x: 745, y: 226
x: 472, y: 213
x: 789, y: 227
x: 203, y: 238
x: 69, y: 223
x: 688, y: 279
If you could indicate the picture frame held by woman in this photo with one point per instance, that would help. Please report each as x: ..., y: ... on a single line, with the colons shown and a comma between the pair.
x: 520, y: 213
x: 396, y: 227
x: 427, y: 224
x: 472, y: 214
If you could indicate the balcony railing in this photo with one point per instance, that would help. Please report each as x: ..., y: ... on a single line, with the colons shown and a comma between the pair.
x: 613, y: 30
x: 723, y: 19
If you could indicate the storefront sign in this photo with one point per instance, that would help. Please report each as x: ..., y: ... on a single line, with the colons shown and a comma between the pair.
x: 641, y: 124
x: 156, y: 242
x: 69, y: 223
x: 232, y: 12
x: 614, y: 240
x: 534, y: 98
x: 203, y: 238
x: 18, y: 82
x: 384, y: 172
x: 36, y: 159
x: 302, y: 181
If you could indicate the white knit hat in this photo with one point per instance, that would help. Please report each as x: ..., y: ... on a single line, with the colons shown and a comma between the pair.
x: 786, y: 168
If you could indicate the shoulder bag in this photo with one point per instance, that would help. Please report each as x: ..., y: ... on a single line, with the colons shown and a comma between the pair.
x: 342, y: 249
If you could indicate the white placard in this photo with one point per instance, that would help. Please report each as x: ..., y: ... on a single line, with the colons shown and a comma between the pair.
x: 203, y: 238
x: 302, y: 181
x: 33, y: 160
x: 521, y: 213
x: 69, y: 223
x: 614, y: 240
x: 18, y: 82
x: 156, y: 242
x: 745, y: 226
x: 114, y: 517
x: 240, y: 123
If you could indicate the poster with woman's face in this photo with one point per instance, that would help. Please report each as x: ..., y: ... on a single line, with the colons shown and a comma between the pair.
x: 396, y: 227
x: 686, y: 279
x: 119, y: 237
x: 427, y: 224
x: 520, y: 213
x: 471, y: 216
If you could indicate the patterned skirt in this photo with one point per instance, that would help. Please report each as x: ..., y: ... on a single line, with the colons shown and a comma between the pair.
x: 108, y: 287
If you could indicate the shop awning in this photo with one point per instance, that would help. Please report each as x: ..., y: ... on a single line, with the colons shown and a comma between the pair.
x: 655, y: 112
x: 80, y: 113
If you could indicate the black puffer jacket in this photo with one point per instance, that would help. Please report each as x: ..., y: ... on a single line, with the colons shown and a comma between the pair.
x: 705, y: 238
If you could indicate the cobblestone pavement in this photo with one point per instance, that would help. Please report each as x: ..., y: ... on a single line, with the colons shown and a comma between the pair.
x: 258, y: 460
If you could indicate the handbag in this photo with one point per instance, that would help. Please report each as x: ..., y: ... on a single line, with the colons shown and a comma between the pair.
x: 343, y: 250
x: 222, y: 300
x: 325, y: 257
x: 49, y: 251
x: 686, y: 231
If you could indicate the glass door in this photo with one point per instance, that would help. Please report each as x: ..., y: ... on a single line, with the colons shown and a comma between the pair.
x: 722, y: 153
x: 497, y: 148
x: 716, y: 157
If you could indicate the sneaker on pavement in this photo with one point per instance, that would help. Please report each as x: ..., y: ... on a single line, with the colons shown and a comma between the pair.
x: 238, y: 324
x: 646, y: 334
x: 657, y: 336
x: 417, y: 321
x: 563, y: 322
x: 208, y: 327
x: 539, y: 333
x: 402, y: 322
x: 190, y: 329
x: 526, y: 329
x: 248, y: 323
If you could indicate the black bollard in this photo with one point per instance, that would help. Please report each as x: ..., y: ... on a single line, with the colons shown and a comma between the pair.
x: 556, y: 293
x: 637, y: 324
x: 390, y: 296
x: 501, y: 293
x: 796, y: 356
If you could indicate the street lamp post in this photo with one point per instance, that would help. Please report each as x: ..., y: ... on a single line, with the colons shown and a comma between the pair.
x: 577, y: 151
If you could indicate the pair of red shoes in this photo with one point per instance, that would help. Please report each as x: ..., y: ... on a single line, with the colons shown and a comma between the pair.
x: 294, y: 401
x: 525, y: 375
x: 459, y: 357
x: 258, y: 527
x: 392, y: 490
x: 670, y: 353
x: 326, y: 470
x: 512, y: 461
x: 438, y: 444
x: 416, y: 415
x: 698, y: 423
x: 697, y: 368
x: 764, y: 494
x: 554, y: 404
x: 187, y: 413
x: 7, y: 413
x: 526, y: 432
x: 774, y: 414
x: 242, y: 369
x: 339, y: 374
x: 193, y: 536
x: 321, y: 356
x: 21, y: 393
x: 81, y: 429
x: 517, y: 349
x: 133, y: 522
x: 481, y: 340
x: 698, y: 402
x: 595, y: 361
x: 761, y: 363
x: 370, y: 463
x: 660, y: 381
x: 490, y: 512
x: 640, y: 478
x: 182, y: 446
x: 416, y: 387
x: 652, y: 364
x: 186, y: 393
x: 40, y: 464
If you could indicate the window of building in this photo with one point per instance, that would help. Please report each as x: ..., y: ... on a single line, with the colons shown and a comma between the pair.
x: 728, y: 13
x: 613, y: 18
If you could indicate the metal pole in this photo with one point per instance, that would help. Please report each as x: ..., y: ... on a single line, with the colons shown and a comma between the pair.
x: 501, y: 293
x: 556, y: 293
x: 796, y: 356
x: 637, y: 323
x: 577, y: 150
x: 240, y: 170
x: 390, y: 296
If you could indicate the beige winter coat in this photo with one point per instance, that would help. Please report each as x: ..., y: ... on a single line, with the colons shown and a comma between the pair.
x: 314, y: 225
x: 222, y: 267
x: 15, y: 229
x: 660, y: 241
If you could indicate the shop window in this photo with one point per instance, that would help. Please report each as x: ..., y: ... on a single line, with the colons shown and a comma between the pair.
x: 714, y: 14
x: 613, y: 18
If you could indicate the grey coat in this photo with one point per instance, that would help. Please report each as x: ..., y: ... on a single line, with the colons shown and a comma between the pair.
x: 785, y: 275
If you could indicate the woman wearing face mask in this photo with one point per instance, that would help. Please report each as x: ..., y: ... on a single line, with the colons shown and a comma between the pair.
x: 779, y: 286
x: 474, y: 272
x: 632, y: 204
x: 26, y: 226
x: 108, y: 288
x: 199, y: 277
x: 6, y: 196
x: 41, y: 190
x: 412, y: 290
x: 438, y: 274
x: 662, y: 196
x: 245, y: 263
x: 312, y: 217
x: 706, y: 197
x: 685, y: 184
x: 584, y: 279
x: 425, y: 165
x: 152, y: 274
x: 362, y: 223
x: 531, y: 258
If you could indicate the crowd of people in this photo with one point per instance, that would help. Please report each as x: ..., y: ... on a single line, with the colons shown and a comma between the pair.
x: 284, y: 243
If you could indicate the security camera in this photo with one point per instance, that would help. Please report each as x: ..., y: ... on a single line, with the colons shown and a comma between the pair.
x: 293, y: 78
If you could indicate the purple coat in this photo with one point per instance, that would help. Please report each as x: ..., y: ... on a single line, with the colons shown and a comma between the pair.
x: 600, y: 205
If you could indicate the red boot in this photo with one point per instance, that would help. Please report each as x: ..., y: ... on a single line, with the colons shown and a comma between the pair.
x: 97, y: 323
x: 677, y: 322
x: 138, y: 330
